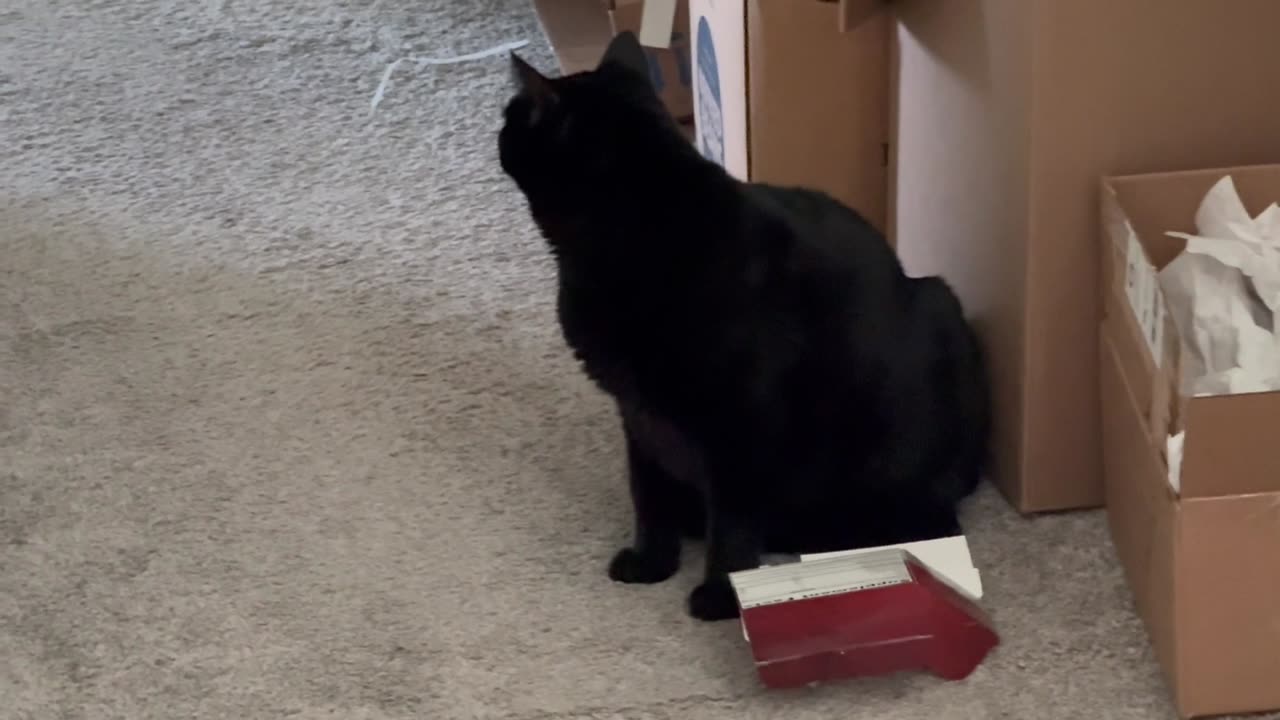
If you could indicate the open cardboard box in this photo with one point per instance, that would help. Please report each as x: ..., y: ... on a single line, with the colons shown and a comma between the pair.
x: 1204, y: 565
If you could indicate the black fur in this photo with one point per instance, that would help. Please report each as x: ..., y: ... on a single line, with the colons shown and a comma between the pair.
x: 783, y: 385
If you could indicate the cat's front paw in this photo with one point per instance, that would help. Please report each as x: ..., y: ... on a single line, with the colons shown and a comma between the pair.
x: 632, y: 566
x: 714, y: 600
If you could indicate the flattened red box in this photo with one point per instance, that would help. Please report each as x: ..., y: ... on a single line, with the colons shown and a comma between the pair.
x: 873, y: 614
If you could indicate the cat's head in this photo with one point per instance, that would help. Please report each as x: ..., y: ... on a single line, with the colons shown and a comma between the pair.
x: 569, y: 134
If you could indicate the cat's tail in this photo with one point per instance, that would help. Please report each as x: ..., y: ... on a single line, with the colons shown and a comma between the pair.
x: 962, y: 374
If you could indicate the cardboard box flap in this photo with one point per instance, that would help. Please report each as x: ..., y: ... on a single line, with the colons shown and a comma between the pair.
x: 1154, y: 205
x: 1228, y: 613
x: 796, y: 132
x: 1161, y: 202
x: 1231, y: 446
x: 578, y: 31
x: 1141, y: 508
x: 1138, y: 360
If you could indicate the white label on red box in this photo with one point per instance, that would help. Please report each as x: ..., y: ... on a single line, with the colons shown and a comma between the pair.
x: 832, y: 576
x: 948, y: 558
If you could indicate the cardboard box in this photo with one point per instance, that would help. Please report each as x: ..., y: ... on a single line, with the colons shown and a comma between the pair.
x: 670, y: 67
x: 1008, y: 113
x: 782, y: 96
x: 579, y: 31
x: 1204, y: 564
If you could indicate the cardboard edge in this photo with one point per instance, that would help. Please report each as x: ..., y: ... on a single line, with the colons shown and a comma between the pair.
x: 1138, y: 360
x: 578, y: 31
x: 891, y: 147
x: 853, y: 13
x: 1143, y: 521
x: 1021, y: 494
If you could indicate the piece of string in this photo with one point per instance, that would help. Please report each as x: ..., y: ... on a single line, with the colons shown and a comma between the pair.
x: 424, y: 61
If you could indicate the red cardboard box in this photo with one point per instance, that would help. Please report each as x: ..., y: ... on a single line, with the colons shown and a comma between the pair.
x: 874, y: 613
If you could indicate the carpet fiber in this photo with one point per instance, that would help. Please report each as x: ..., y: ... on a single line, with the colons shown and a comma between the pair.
x: 287, y: 429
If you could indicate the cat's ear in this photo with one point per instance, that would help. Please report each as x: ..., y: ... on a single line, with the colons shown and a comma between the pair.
x: 624, y: 51
x: 533, y: 83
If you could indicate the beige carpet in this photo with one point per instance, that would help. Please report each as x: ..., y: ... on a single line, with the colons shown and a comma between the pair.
x: 286, y: 428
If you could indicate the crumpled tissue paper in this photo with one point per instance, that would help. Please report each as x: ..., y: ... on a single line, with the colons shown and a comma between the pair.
x: 1174, y: 451
x: 1224, y: 295
x: 1223, y: 292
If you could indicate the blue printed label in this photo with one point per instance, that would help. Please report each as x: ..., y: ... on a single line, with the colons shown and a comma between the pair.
x: 710, y: 111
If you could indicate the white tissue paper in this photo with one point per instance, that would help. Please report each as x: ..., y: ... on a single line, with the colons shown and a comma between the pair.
x: 1224, y: 295
x: 1174, y: 450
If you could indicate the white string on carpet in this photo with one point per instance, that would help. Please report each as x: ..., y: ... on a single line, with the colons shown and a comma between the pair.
x: 422, y: 62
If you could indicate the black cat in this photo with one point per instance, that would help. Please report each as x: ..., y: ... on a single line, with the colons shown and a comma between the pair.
x: 783, y: 385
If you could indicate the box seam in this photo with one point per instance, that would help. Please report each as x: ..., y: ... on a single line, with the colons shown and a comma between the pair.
x: 1026, y: 498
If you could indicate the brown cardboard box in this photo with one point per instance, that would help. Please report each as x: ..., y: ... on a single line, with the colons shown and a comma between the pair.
x: 1008, y: 112
x: 579, y: 31
x: 669, y: 67
x: 782, y: 96
x: 1204, y: 565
